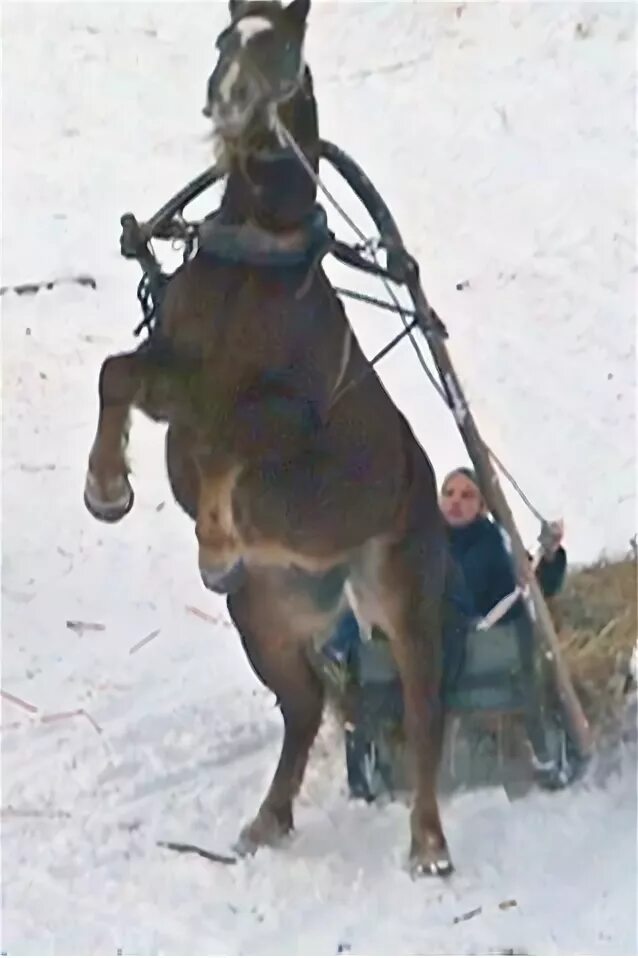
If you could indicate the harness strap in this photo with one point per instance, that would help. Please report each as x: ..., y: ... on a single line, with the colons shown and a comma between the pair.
x: 346, y: 353
x: 497, y: 612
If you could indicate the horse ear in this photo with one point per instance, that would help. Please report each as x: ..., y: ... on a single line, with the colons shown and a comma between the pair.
x: 297, y: 11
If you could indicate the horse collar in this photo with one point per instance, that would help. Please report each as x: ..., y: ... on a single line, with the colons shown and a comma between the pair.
x: 253, y: 245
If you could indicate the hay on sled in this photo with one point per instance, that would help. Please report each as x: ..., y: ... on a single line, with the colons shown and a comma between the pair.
x: 596, y: 620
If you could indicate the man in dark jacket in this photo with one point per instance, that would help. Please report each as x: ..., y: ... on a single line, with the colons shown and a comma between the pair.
x: 480, y: 576
x: 478, y: 547
x: 481, y: 572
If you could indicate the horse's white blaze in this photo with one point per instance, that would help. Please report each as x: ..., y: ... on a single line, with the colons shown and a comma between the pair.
x: 250, y: 26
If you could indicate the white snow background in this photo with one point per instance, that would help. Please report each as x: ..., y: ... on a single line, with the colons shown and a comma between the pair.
x: 503, y: 139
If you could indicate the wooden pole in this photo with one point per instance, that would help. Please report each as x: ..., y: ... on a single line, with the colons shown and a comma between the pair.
x: 544, y: 631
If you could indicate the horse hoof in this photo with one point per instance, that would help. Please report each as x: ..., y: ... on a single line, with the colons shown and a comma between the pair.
x: 245, y: 846
x: 266, y: 829
x: 106, y: 510
x: 225, y: 581
x: 437, y: 864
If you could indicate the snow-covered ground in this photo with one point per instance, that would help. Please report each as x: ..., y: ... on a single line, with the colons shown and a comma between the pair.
x: 503, y: 138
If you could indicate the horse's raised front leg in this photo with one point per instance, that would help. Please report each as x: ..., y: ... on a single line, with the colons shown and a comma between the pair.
x: 107, y: 493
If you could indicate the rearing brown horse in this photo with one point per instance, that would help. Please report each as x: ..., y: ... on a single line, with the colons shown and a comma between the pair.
x: 303, y: 502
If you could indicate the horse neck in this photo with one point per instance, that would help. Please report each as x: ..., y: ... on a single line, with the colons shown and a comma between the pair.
x: 268, y: 185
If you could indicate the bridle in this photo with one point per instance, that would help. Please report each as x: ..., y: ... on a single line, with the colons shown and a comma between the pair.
x: 290, y: 65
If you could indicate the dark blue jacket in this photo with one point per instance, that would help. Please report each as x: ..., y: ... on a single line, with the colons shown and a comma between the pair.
x: 481, y: 574
x: 480, y: 553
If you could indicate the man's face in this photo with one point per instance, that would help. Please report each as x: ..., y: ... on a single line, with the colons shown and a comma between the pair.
x: 460, y: 502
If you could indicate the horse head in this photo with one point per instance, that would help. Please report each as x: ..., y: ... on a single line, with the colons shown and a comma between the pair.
x: 260, y: 66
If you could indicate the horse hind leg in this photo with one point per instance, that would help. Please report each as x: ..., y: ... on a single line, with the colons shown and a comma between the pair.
x: 399, y: 589
x: 275, y: 625
x: 107, y: 492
